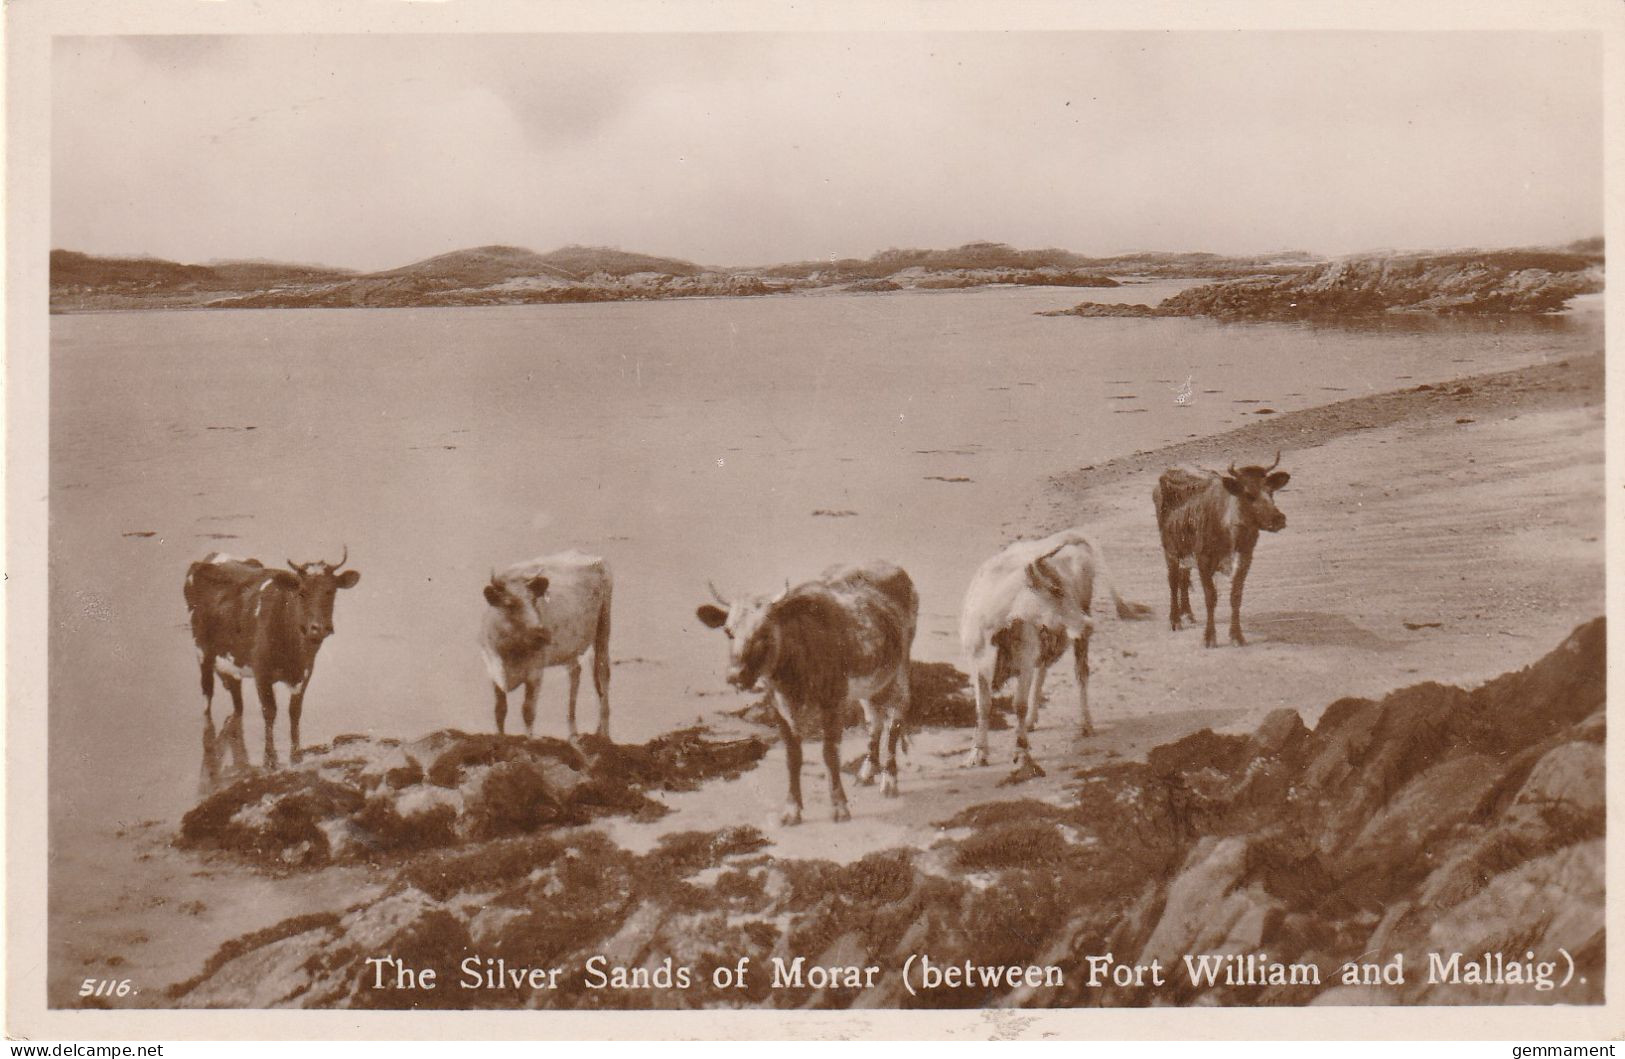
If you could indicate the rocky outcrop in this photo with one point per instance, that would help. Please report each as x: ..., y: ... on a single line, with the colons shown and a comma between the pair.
x: 374, y: 801
x: 1507, y: 281
x: 1423, y: 844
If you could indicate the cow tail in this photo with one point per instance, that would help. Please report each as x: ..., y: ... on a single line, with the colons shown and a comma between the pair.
x: 1125, y: 609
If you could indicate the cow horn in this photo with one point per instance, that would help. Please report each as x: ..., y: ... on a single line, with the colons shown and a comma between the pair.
x: 295, y: 567
x: 1276, y: 464
x: 1233, y: 473
x: 717, y: 595
x: 342, y: 560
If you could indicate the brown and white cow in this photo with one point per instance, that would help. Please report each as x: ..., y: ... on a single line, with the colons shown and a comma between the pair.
x: 252, y: 621
x: 1023, y: 608
x: 548, y: 612
x: 1212, y: 521
x: 845, y: 635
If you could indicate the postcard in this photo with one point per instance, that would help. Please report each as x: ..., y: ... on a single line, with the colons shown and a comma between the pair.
x: 609, y: 522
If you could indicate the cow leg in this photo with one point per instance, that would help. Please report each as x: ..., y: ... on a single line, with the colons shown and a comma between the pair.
x: 1239, y: 578
x: 897, y: 711
x: 501, y: 708
x: 832, y: 763
x: 792, y: 760
x: 1027, y: 652
x: 600, y: 684
x: 984, y: 704
x: 1039, y: 676
x: 1080, y: 658
x: 1022, y: 707
x: 1210, y: 593
x: 296, y: 708
x: 1185, y: 594
x: 575, y: 688
x: 266, y: 690
x: 871, y: 761
x: 1176, y: 575
x: 527, y: 710
x: 894, y: 733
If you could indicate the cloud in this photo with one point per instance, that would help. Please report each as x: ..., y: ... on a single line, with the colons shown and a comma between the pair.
x: 376, y: 150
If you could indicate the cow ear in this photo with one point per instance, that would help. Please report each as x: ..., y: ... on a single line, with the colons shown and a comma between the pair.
x: 1232, y: 485
x: 712, y: 617
x: 494, y: 595
x: 1041, y: 576
x: 1277, y: 481
x: 538, y: 586
x: 348, y: 579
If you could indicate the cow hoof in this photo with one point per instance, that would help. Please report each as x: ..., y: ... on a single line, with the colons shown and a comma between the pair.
x: 841, y: 813
x: 889, y: 788
x: 1238, y: 639
x: 866, y: 773
x: 976, y: 758
x: 791, y: 816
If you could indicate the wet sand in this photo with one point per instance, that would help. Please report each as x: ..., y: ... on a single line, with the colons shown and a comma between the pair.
x: 1471, y: 510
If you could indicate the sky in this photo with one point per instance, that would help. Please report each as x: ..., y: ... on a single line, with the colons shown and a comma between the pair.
x: 372, y: 151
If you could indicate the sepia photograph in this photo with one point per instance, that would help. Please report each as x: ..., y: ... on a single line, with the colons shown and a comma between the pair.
x: 847, y: 517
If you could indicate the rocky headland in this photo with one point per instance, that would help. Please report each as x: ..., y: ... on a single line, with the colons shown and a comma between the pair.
x: 1475, y: 282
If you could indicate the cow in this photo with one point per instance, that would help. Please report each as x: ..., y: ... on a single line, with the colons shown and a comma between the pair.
x: 547, y: 612
x: 251, y: 620
x: 1212, y: 521
x: 1024, y: 606
x: 845, y: 635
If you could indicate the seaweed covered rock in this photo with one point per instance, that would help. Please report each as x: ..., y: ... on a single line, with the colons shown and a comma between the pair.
x: 365, y: 799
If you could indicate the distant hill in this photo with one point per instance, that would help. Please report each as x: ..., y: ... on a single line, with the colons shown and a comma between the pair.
x: 70, y: 268
x: 584, y: 261
x: 477, y: 267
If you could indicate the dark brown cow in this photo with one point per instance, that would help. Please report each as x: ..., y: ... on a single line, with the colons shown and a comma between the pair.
x: 1212, y: 521
x: 251, y: 621
x: 846, y: 635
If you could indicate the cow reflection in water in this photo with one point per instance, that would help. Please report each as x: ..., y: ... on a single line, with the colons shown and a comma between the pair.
x: 216, y: 773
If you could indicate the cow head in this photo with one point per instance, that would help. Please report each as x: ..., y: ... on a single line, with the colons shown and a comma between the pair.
x: 740, y: 619
x: 1055, y: 579
x: 516, y: 600
x: 319, y: 582
x: 1254, y: 489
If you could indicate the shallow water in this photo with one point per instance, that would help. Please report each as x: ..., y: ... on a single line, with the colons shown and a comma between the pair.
x: 741, y: 441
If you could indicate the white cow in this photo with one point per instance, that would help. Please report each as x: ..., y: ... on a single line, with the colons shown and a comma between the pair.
x: 547, y: 612
x: 1024, y: 606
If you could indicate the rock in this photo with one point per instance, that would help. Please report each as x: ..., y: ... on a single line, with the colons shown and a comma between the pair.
x: 1570, y: 776
x: 366, y: 799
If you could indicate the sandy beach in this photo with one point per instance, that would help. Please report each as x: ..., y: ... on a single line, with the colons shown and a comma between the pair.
x: 1449, y: 532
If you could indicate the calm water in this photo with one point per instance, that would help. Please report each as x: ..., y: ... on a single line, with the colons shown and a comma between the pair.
x: 686, y: 441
